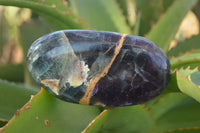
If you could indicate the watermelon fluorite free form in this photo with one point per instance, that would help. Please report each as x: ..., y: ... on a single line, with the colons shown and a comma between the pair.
x: 98, y: 67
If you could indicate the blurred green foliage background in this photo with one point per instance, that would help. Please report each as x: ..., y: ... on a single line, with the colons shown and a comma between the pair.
x: 172, y: 24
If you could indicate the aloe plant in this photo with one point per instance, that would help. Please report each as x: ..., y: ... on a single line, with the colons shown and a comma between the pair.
x: 24, y: 107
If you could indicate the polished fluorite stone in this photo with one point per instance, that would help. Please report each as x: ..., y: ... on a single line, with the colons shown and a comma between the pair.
x: 98, y: 67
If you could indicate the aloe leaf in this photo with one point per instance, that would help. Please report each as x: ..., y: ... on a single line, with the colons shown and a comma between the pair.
x: 12, y: 97
x: 120, y: 119
x: 167, y: 4
x: 166, y: 103
x: 12, y: 72
x: 54, y: 23
x: 129, y: 10
x: 165, y: 30
x: 58, y: 4
x: 188, y: 82
x: 66, y: 18
x: 97, y: 123
x: 150, y: 10
x: 122, y: 4
x: 191, y: 60
x: 179, y: 119
x: 101, y: 14
x: 2, y: 123
x: 185, y: 46
x: 137, y: 24
x: 45, y: 113
x: 172, y: 85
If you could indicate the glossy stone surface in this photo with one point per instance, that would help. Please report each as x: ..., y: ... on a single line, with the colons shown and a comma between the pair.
x: 99, y: 68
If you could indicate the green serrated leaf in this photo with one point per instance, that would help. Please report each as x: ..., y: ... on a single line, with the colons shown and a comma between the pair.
x: 185, y: 46
x: 195, y: 77
x: 186, y: 85
x: 45, y: 113
x: 66, y: 18
x: 101, y: 15
x: 97, y: 123
x: 12, y: 97
x: 133, y: 119
x: 166, y: 28
x: 191, y: 60
x: 59, y: 4
x: 185, y: 116
x: 172, y: 85
x: 166, y: 103
x: 186, y: 72
x: 54, y: 23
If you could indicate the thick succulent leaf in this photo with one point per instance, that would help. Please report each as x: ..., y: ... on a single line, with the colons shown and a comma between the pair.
x: 172, y: 85
x: 59, y: 4
x: 174, y: 107
x: 137, y: 24
x: 54, y: 23
x: 97, y: 123
x: 12, y: 97
x: 12, y: 72
x: 165, y: 98
x: 122, y: 4
x: 45, y: 113
x: 101, y: 14
x: 167, y: 4
x: 129, y: 10
x: 165, y: 30
x: 188, y: 82
x: 191, y: 60
x: 185, y: 46
x: 166, y: 103
x: 181, y: 118
x: 66, y: 19
x: 130, y: 119
x: 151, y: 11
x: 2, y: 123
